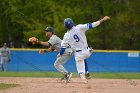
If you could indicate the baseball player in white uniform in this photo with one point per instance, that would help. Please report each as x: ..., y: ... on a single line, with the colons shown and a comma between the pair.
x: 76, y: 38
x: 54, y: 43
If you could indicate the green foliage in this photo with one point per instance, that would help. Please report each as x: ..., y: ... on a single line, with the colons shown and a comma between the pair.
x: 21, y: 19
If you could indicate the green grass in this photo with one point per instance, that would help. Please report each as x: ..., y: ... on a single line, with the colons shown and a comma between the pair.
x: 58, y: 75
x: 5, y: 86
x: 117, y: 75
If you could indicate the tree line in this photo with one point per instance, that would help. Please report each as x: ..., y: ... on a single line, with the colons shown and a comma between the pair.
x: 22, y: 19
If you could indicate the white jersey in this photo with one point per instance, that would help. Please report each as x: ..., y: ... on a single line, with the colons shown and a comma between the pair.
x: 76, y: 38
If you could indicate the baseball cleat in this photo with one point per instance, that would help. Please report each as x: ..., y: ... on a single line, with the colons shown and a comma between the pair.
x: 83, y: 77
x: 69, y: 75
x: 88, y: 76
x: 64, y: 77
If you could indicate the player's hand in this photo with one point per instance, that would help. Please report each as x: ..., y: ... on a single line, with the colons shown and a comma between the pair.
x: 33, y: 40
x: 41, y: 51
x: 105, y: 18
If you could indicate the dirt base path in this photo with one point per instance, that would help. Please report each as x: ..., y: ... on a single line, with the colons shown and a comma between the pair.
x: 54, y: 85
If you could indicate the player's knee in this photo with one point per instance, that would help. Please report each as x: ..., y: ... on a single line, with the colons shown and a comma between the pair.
x: 56, y: 64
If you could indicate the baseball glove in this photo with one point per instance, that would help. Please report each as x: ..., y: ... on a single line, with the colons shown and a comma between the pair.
x: 33, y: 40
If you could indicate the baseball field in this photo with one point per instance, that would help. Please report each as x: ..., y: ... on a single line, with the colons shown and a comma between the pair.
x: 49, y: 82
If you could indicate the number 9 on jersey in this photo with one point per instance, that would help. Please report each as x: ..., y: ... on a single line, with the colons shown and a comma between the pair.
x: 76, y: 38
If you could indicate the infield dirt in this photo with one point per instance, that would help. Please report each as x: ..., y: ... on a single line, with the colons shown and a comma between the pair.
x: 76, y: 85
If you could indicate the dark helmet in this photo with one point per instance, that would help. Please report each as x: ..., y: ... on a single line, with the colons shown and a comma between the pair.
x: 49, y: 29
x: 68, y: 23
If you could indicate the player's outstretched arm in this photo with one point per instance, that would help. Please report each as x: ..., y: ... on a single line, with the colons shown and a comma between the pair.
x: 34, y: 40
x: 44, y: 43
x: 104, y: 19
x: 97, y: 23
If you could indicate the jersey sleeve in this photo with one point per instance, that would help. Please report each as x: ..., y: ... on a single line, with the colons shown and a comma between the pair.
x: 87, y: 26
x: 52, y: 41
x: 65, y: 43
x: 82, y: 27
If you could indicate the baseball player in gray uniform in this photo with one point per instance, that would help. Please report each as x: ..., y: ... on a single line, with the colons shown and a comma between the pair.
x: 4, y: 57
x: 54, y: 42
